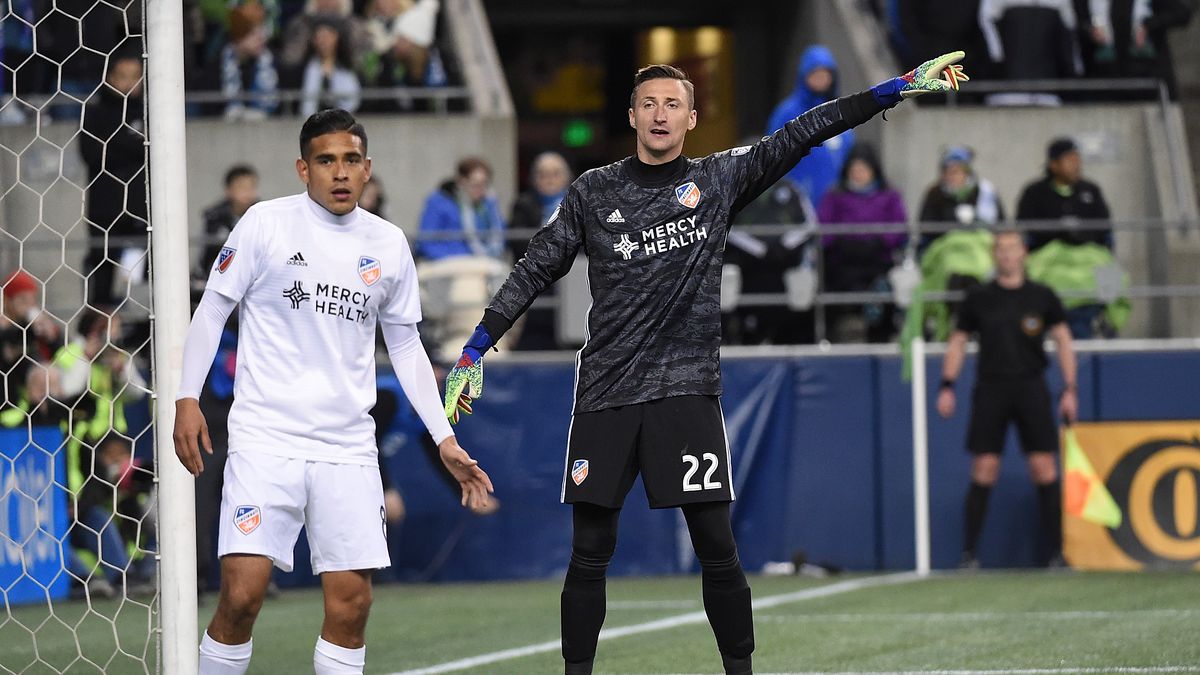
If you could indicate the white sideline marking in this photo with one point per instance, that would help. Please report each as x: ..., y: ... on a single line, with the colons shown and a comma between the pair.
x: 666, y: 623
x: 981, y: 616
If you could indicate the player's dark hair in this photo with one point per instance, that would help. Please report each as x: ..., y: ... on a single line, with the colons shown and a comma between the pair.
x: 239, y: 171
x: 663, y: 71
x: 469, y: 165
x: 329, y: 121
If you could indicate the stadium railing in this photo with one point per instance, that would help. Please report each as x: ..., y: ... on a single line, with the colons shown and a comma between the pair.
x: 440, y: 98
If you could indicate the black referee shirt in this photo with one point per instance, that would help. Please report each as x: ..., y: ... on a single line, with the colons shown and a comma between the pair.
x: 1012, y: 325
x: 655, y: 241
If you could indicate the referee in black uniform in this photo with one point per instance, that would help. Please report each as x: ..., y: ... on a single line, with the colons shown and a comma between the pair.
x: 648, y: 378
x: 1012, y: 315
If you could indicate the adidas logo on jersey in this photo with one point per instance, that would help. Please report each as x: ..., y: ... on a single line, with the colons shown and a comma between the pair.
x: 615, y: 216
x: 297, y: 260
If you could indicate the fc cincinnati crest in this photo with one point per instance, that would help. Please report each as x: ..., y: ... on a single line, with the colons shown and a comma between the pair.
x: 688, y: 195
x: 579, y: 471
x: 225, y: 258
x: 247, y: 518
x: 368, y: 270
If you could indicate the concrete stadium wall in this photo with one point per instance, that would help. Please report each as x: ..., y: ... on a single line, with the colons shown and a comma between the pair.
x: 42, y: 183
x: 1123, y: 150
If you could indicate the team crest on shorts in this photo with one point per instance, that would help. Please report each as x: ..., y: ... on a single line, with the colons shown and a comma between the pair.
x: 688, y: 194
x: 368, y: 270
x: 579, y: 471
x: 225, y: 258
x: 247, y: 518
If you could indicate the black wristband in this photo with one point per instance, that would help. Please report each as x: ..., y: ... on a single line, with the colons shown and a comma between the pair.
x: 495, y: 324
x: 947, y: 383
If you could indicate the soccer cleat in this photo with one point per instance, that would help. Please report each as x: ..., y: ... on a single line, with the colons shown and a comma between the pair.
x: 968, y: 562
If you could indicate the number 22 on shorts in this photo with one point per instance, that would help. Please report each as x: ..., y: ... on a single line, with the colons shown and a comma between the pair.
x: 694, y: 466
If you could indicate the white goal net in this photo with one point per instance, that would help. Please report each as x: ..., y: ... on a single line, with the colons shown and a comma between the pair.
x: 79, y: 539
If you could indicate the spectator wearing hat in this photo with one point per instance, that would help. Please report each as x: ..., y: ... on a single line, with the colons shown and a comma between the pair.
x: 960, y: 196
x: 249, y: 80
x: 1063, y: 195
x: 28, y: 338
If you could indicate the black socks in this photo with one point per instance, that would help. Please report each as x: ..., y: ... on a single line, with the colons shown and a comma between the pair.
x: 976, y: 509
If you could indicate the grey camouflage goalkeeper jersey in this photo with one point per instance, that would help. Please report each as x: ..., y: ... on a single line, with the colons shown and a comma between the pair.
x: 655, y: 246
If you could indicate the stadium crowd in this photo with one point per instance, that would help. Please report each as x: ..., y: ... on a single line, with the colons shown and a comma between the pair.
x: 246, y: 53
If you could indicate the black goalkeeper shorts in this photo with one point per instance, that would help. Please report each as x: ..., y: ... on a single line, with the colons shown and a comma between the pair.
x: 1025, y: 401
x: 677, y: 444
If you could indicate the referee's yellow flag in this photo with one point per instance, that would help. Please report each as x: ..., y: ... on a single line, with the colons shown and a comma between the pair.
x: 1084, y: 494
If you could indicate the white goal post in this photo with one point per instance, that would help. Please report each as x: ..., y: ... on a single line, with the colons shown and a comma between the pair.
x: 169, y: 258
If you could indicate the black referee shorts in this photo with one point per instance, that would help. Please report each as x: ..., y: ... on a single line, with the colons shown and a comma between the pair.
x: 677, y: 444
x: 1025, y: 401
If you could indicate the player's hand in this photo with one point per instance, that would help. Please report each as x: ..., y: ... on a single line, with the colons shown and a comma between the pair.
x: 393, y: 505
x: 946, y: 402
x: 1068, y: 406
x: 474, y: 482
x: 467, y: 371
x: 939, y: 75
x: 191, y: 433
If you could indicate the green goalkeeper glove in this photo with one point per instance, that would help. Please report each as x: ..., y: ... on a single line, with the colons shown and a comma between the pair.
x: 468, y: 371
x: 938, y: 75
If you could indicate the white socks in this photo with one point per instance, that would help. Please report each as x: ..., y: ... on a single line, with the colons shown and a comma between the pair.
x: 330, y: 659
x: 222, y: 659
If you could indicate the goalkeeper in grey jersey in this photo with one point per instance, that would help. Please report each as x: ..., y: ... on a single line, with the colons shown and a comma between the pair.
x: 648, y: 378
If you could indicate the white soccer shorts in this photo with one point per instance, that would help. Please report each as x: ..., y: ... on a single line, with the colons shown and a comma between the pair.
x: 267, y: 498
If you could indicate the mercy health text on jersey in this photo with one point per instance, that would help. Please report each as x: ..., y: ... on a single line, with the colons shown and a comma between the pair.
x: 337, y: 301
x: 662, y: 238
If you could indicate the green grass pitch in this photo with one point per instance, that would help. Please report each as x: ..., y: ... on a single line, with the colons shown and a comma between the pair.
x: 1004, y: 622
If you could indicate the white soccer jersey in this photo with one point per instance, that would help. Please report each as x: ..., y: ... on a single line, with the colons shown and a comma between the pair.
x: 311, y: 287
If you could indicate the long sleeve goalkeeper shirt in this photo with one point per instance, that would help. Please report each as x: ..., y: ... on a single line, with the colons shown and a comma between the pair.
x: 655, y: 237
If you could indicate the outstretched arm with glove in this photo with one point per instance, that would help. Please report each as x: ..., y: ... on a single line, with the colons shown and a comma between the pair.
x: 756, y: 169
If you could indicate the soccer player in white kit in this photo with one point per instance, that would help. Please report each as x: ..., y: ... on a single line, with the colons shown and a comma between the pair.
x: 312, y: 275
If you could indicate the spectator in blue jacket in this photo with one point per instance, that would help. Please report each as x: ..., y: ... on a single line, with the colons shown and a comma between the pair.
x: 464, y: 205
x: 816, y: 83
